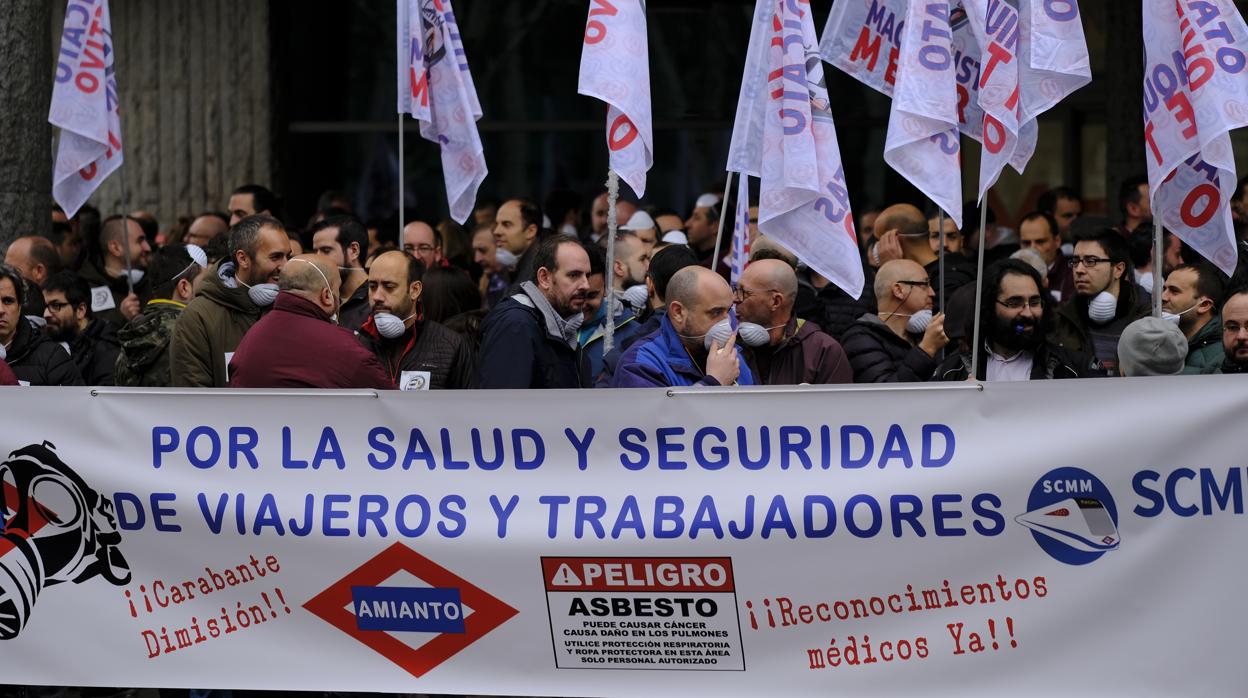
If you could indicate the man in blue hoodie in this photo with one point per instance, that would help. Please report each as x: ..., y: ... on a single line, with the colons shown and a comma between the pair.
x: 687, y: 349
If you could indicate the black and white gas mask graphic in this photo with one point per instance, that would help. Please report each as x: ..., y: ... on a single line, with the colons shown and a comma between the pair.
x: 56, y: 529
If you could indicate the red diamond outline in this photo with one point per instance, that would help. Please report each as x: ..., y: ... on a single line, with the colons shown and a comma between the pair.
x: 487, y: 611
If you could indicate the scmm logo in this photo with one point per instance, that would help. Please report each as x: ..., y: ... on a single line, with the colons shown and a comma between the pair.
x: 1072, y: 516
x: 408, y: 609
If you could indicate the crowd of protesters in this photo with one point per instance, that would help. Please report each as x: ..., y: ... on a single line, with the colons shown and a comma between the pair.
x: 521, y: 297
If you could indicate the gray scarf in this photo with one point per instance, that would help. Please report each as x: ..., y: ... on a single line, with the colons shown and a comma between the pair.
x: 556, y: 326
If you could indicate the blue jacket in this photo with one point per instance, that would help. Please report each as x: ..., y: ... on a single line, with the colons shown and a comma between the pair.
x: 659, y: 360
x: 626, y: 327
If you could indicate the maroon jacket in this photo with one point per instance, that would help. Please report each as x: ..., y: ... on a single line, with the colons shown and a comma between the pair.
x: 806, y: 355
x: 6, y: 374
x: 296, y: 346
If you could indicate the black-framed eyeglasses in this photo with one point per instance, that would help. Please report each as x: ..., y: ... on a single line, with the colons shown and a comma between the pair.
x: 1018, y: 302
x: 740, y: 293
x: 1088, y: 261
x: 58, y: 306
x: 925, y: 283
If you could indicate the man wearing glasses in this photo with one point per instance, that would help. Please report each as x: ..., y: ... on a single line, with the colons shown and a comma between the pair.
x: 900, y: 343
x: 1106, y: 300
x: 1235, y: 333
x: 1012, y: 322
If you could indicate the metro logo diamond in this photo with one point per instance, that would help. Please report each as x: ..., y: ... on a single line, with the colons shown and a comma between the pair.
x: 487, y: 614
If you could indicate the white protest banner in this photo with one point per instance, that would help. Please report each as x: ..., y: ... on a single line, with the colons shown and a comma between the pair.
x: 910, y: 541
x: 784, y: 135
x: 1195, y: 91
x: 923, y: 144
x: 85, y: 105
x: 435, y: 86
x: 863, y: 38
x: 615, y: 68
x: 740, y: 231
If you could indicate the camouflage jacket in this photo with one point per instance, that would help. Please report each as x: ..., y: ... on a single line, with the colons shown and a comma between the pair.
x: 144, y: 357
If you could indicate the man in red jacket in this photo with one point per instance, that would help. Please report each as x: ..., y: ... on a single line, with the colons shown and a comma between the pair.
x: 298, y: 345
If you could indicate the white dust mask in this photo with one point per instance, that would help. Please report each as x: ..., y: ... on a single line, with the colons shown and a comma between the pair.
x: 635, y: 296
x: 389, y: 325
x: 918, y: 322
x: 505, y: 258
x: 1102, y: 308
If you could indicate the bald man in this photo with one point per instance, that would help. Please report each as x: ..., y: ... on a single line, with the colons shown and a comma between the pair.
x: 424, y: 243
x: 900, y: 342
x: 298, y: 344
x: 684, y: 351
x: 902, y: 232
x: 796, y: 351
x: 36, y: 259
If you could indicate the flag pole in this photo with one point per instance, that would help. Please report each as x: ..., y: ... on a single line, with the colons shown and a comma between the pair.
x: 719, y: 236
x: 940, y: 231
x: 613, y: 226
x: 979, y: 287
x: 125, y: 227
x: 400, y: 216
x: 1157, y: 264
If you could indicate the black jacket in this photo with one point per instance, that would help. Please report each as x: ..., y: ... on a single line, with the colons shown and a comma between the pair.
x: 1073, y: 331
x: 95, y: 352
x: 832, y: 309
x: 878, y: 355
x: 519, y: 351
x: 1049, y: 362
x: 959, y: 271
x: 431, y: 347
x: 93, y: 273
x: 37, y: 360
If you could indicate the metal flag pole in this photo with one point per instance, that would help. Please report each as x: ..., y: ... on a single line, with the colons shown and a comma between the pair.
x: 979, y: 287
x: 400, y: 216
x: 1157, y: 263
x: 940, y: 231
x: 125, y: 227
x: 613, y: 226
x: 723, y: 210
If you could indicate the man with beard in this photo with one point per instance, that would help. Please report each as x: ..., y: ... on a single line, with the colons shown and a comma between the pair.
x: 33, y: 358
x: 92, y: 343
x: 344, y: 239
x: 529, y: 340
x: 1234, y: 333
x: 628, y: 272
x: 417, y: 354
x: 234, y: 294
x: 1012, y: 321
x: 793, y: 352
x: 695, y: 343
x: 1106, y: 300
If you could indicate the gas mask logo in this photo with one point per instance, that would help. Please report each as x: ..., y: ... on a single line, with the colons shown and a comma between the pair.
x: 56, y: 529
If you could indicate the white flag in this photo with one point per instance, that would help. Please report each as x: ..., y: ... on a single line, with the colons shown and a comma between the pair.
x: 85, y: 106
x: 1007, y: 137
x: 615, y: 68
x: 436, y: 88
x: 923, y: 142
x: 1053, y: 61
x: 740, y: 231
x: 785, y: 136
x: 1195, y: 91
x: 863, y: 38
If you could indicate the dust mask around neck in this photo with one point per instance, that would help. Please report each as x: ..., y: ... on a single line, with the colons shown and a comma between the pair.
x: 1102, y: 308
